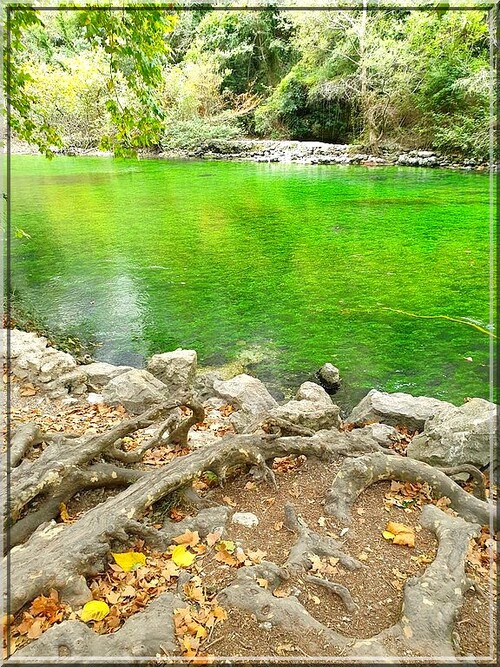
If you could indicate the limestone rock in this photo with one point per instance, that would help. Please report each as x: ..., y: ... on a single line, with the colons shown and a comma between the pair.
x: 247, y: 393
x: 396, y: 409
x: 204, y: 384
x: 136, y: 390
x: 176, y: 369
x: 458, y: 435
x: 100, y: 373
x: 53, y: 371
x: 247, y: 519
x: 310, y: 391
x: 329, y: 376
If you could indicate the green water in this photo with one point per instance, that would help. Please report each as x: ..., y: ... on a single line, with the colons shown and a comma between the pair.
x: 295, y: 261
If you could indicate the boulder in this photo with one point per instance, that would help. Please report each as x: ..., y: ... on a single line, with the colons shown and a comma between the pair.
x: 396, y: 409
x: 310, y: 391
x: 312, y: 408
x: 329, y: 376
x: 455, y: 436
x: 204, y: 384
x: 176, y: 369
x: 245, y: 392
x: 100, y: 373
x: 249, y: 395
x: 382, y: 433
x: 53, y: 371
x: 136, y: 390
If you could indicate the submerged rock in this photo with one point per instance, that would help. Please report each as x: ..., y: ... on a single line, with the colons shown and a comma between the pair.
x: 396, y: 409
x: 176, y: 369
x: 136, y: 390
x: 455, y: 436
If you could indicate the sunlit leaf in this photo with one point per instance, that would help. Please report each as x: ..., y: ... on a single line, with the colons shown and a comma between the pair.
x: 182, y: 557
x: 95, y: 610
x: 130, y: 560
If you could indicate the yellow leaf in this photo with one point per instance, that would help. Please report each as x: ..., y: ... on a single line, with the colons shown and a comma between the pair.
x: 63, y: 513
x: 95, y: 610
x: 403, y: 535
x: 405, y: 539
x: 130, y: 560
x: 387, y: 535
x: 182, y: 557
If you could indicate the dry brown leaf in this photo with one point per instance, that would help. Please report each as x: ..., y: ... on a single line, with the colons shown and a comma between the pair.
x: 263, y: 583
x: 250, y: 486
x: 212, y: 538
x: 28, y: 390
x: 188, y: 537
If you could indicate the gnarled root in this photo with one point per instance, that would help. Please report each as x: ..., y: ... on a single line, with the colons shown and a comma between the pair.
x: 311, y: 542
x: 355, y: 475
x: 431, y: 602
x: 287, y: 613
x: 147, y: 633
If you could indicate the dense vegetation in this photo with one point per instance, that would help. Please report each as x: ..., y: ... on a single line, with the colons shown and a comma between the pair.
x: 151, y: 77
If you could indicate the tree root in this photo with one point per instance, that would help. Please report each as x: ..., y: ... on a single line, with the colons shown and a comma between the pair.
x: 356, y: 475
x: 338, y: 589
x: 146, y: 633
x: 287, y: 613
x: 61, y: 459
x: 311, y: 542
x: 431, y: 602
x: 475, y: 473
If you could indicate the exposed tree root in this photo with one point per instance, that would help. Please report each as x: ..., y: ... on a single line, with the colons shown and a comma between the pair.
x: 61, y: 459
x: 287, y: 613
x: 146, y: 633
x: 59, y: 554
x: 475, y: 473
x: 311, y: 542
x: 356, y: 475
x: 431, y: 602
x: 338, y: 589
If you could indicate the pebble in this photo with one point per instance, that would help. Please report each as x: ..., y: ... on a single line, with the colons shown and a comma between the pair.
x: 94, y: 399
x: 246, y: 519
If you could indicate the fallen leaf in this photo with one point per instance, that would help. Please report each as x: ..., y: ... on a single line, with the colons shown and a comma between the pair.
x: 256, y: 556
x: 129, y: 560
x: 95, y: 610
x: 387, y: 535
x: 228, y: 545
x: 362, y: 556
x: 250, y: 486
x: 402, y: 534
x: 229, y: 501
x: 36, y: 629
x: 28, y: 390
x: 189, y: 538
x: 225, y: 557
x: 281, y: 592
x: 212, y: 538
x: 63, y: 513
x: 182, y: 557
x: 278, y: 525
x: 262, y: 582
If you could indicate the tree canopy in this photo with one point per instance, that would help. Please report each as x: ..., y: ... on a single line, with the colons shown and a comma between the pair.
x: 124, y: 79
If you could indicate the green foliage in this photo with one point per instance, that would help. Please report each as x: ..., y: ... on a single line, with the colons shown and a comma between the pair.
x: 199, y: 134
x: 128, y: 79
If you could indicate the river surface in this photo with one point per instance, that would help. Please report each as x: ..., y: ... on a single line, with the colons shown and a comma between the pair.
x: 299, y: 264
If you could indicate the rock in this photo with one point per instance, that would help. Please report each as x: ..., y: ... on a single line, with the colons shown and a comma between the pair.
x: 310, y: 391
x: 329, y: 376
x: 382, y: 433
x: 53, y: 371
x: 95, y: 399
x: 396, y: 409
x: 246, y: 519
x: 457, y: 435
x: 204, y: 384
x: 248, y: 394
x: 313, y: 415
x: 100, y: 373
x: 176, y: 369
x: 136, y: 390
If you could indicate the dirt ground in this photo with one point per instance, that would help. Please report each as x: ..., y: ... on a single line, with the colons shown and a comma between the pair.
x: 377, y: 589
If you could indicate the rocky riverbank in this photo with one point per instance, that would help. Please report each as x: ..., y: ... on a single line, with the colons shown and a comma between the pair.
x: 448, y: 435
x: 313, y: 152
x: 287, y: 152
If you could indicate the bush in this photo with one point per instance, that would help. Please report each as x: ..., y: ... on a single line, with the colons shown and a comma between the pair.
x: 199, y: 134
